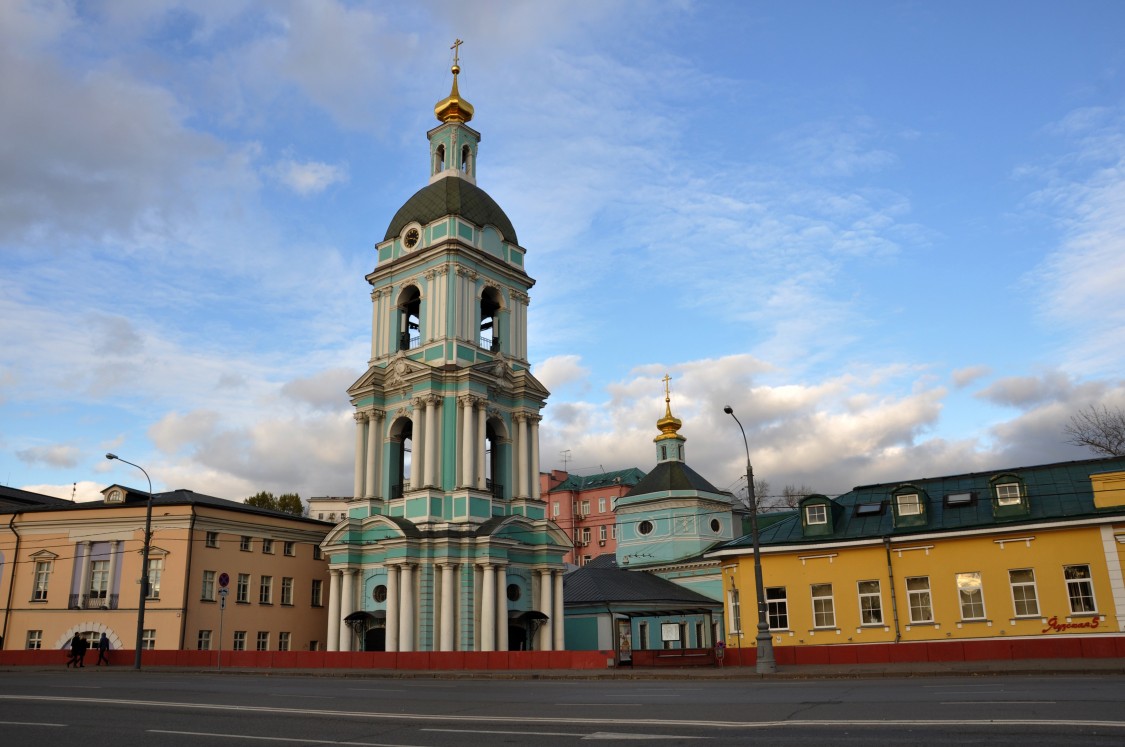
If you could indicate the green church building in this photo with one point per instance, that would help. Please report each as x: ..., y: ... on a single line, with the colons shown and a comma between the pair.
x: 446, y: 545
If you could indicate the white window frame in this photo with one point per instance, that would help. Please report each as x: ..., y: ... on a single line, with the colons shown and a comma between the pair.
x: 211, y: 539
x: 246, y: 544
x: 289, y: 549
x: 284, y: 640
x: 207, y: 592
x: 238, y: 643
x: 911, y: 507
x: 148, y: 639
x: 816, y: 514
x: 155, y: 573
x: 823, y: 606
x: 601, y: 505
x: 868, y: 596
x: 970, y: 595
x: 777, y: 608
x: 265, y: 589
x: 1024, y: 586
x: 602, y: 533
x: 99, y: 579
x: 317, y: 592
x: 919, y: 599
x: 42, y: 580
x: 287, y: 591
x: 267, y: 547
x: 203, y: 641
x: 262, y: 642
x: 1008, y: 494
x: 34, y: 640
x: 734, y: 604
x: 1077, y: 584
x: 242, y: 589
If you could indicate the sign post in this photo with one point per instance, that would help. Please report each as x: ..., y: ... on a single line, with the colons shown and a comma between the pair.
x: 224, y: 579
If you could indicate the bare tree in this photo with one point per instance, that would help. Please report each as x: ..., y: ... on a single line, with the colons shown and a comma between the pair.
x: 792, y: 495
x: 1100, y: 430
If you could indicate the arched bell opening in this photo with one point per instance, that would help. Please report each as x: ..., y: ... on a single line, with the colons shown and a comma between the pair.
x: 401, y: 439
x: 490, y: 306
x: 409, y: 312
x: 495, y: 457
x: 466, y: 159
x: 439, y: 159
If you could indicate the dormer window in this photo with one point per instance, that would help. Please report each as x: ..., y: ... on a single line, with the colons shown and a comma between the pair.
x: 816, y: 516
x: 1008, y: 494
x: 908, y: 504
x: 115, y: 496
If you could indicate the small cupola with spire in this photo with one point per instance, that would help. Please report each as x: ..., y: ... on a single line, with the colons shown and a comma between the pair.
x: 669, y: 444
x: 453, y: 144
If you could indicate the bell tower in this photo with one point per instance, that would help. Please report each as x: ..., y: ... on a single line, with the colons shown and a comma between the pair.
x: 446, y: 535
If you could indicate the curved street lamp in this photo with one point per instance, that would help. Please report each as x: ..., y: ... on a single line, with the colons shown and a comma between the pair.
x: 144, y: 562
x: 765, y: 661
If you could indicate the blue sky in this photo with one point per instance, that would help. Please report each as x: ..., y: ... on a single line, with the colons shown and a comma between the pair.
x: 890, y: 234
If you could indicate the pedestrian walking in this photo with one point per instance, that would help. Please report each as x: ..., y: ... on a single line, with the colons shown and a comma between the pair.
x: 83, y: 644
x: 75, y: 646
x: 103, y: 650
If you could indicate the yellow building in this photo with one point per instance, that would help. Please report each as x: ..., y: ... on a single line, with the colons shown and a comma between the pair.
x: 68, y: 568
x: 1025, y: 553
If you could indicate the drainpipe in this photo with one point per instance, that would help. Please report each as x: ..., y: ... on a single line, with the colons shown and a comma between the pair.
x: 187, y: 581
x: 894, y: 599
x: 11, y: 582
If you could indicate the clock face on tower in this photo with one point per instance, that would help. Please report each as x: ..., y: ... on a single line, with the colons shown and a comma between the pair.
x: 411, y: 238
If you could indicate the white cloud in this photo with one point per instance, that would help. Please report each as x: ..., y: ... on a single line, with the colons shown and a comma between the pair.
x: 81, y: 492
x: 309, y: 177
x: 55, y: 455
x: 962, y: 377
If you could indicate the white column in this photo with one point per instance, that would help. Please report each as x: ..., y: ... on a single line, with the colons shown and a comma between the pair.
x: 392, y: 608
x: 560, y: 614
x: 448, y: 600
x: 360, y: 418
x: 114, y: 551
x: 417, y: 459
x: 488, y: 609
x: 429, y: 461
x: 333, y: 610
x: 347, y: 606
x: 482, y: 435
x: 501, y: 608
x: 84, y: 582
x: 467, y: 450
x: 521, y: 459
x: 377, y: 338
x: 374, y: 441
x: 546, y: 596
x: 406, y: 610
x: 534, y: 468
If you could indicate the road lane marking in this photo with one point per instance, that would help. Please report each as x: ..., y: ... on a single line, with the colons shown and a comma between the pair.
x: 519, y: 733
x: 996, y: 702
x: 616, y: 736
x: 575, y: 720
x: 28, y: 723
x: 216, y: 735
x: 603, y: 705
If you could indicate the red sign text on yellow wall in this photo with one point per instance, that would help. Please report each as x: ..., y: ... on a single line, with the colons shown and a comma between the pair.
x: 1054, y: 625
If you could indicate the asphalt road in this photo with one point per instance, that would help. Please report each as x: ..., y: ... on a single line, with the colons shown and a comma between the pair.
x: 98, y: 707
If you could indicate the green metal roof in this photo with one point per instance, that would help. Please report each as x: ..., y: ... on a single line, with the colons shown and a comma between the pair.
x: 630, y: 476
x: 452, y: 195
x: 1054, y: 491
x: 672, y: 475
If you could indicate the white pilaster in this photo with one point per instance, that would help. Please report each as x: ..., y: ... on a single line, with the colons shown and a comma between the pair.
x: 546, y: 597
x: 482, y: 435
x: 467, y: 432
x: 374, y: 440
x: 488, y: 609
x: 392, y: 608
x: 417, y: 458
x: 406, y: 611
x: 448, y: 589
x: 522, y: 461
x: 360, y: 419
x: 84, y: 582
x: 501, y: 608
x: 430, y: 443
x: 114, y: 553
x: 560, y: 613
x: 347, y: 606
x: 334, y: 610
x: 534, y: 468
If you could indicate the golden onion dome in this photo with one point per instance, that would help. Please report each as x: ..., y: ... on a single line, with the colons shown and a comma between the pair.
x: 453, y: 108
x: 668, y: 424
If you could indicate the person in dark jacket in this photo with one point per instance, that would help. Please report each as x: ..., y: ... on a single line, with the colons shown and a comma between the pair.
x: 75, y: 647
x: 103, y: 650
x: 83, y: 644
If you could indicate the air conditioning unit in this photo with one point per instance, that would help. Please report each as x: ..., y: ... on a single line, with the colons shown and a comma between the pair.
x: 579, y: 543
x: 601, y: 543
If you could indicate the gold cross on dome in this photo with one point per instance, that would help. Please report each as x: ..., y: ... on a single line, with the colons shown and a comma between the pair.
x: 667, y: 391
x: 456, y: 51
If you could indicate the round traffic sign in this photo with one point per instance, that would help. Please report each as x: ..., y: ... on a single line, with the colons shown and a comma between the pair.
x: 224, y: 579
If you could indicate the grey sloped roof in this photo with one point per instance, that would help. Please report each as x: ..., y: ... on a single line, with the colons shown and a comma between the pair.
x: 672, y: 475
x: 452, y: 195
x: 628, y: 476
x: 14, y: 499
x: 601, y: 581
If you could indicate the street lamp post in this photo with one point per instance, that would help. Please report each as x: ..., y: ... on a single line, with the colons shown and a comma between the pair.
x: 144, y: 562
x: 765, y: 661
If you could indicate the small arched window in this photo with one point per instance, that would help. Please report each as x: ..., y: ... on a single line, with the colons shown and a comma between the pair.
x: 466, y: 156
x: 410, y: 309
x: 439, y: 159
x: 489, y: 319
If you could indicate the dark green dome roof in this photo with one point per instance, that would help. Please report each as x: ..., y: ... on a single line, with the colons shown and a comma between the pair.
x: 452, y: 195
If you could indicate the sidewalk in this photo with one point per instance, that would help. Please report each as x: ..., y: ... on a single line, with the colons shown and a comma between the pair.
x: 1028, y: 667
